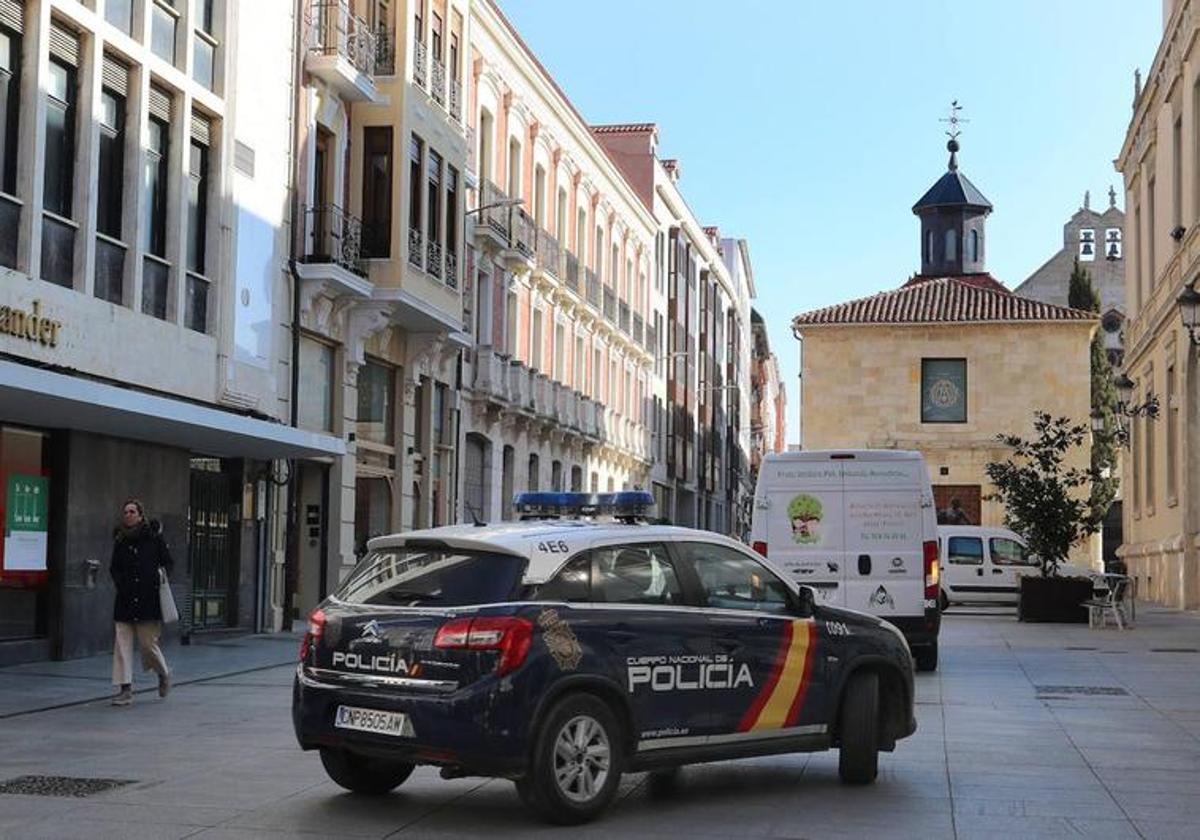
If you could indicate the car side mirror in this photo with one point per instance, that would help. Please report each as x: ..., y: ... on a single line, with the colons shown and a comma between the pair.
x: 806, y: 601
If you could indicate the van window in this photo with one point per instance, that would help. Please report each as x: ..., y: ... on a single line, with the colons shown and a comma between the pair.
x: 1006, y: 552
x: 967, y: 551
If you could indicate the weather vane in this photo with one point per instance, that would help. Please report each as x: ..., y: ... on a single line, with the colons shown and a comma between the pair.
x: 954, y: 121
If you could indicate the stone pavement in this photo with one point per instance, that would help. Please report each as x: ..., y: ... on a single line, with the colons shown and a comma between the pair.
x: 1012, y: 743
x: 38, y: 686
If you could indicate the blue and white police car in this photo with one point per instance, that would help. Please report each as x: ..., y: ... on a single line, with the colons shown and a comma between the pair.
x: 581, y: 643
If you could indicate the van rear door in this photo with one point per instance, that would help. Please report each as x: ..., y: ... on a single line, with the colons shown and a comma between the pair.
x: 884, y: 532
x: 804, y: 523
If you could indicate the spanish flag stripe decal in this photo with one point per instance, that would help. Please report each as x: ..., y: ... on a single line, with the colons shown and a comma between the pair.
x: 798, y: 702
x: 790, y: 686
x: 768, y: 688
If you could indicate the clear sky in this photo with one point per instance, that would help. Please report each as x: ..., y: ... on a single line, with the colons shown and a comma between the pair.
x: 810, y: 129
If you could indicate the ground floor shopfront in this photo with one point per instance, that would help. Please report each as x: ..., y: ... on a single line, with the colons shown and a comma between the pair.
x: 72, y: 450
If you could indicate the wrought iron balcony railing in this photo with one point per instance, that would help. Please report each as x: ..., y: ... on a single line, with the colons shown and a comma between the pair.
x: 336, y: 30
x: 455, y: 105
x: 433, y: 258
x: 593, y: 288
x: 438, y: 82
x: 523, y: 232
x: 416, y: 246
x: 571, y: 271
x: 497, y: 218
x: 623, y: 319
x: 549, y: 254
x: 610, y: 306
x: 420, y: 59
x: 334, y: 236
x: 385, y: 51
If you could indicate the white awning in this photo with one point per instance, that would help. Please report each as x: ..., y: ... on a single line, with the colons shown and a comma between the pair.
x: 36, y: 397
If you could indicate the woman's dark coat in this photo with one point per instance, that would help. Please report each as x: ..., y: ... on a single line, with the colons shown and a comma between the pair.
x: 136, y: 558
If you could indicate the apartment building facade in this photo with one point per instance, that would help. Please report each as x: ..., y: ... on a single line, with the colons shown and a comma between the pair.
x: 558, y: 304
x: 768, y: 401
x: 1160, y: 164
x: 144, y: 188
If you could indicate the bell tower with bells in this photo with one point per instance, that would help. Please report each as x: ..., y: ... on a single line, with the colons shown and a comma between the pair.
x: 952, y: 214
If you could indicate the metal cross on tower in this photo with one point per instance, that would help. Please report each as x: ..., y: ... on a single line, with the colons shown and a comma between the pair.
x: 954, y: 121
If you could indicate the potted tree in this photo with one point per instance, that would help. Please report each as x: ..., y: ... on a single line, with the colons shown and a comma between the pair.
x: 1050, y: 505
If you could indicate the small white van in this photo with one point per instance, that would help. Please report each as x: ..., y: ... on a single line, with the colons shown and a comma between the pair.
x: 859, y: 527
x: 982, y: 565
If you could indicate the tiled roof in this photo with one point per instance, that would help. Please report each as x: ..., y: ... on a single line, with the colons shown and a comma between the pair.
x: 624, y: 128
x: 982, y: 280
x: 941, y: 300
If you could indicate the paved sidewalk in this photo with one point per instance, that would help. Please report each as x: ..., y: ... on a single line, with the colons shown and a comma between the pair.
x: 1024, y: 731
x: 37, y: 686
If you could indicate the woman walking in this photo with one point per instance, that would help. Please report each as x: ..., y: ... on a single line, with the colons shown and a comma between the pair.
x: 139, y: 551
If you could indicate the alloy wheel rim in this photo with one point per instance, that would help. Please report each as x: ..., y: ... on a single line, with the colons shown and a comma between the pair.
x: 582, y: 759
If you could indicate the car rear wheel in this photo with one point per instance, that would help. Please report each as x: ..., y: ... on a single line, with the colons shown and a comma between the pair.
x: 576, y: 761
x: 926, y: 656
x: 858, y: 761
x: 360, y: 774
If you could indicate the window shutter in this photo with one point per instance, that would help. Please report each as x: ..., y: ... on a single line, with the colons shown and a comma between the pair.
x: 160, y: 104
x: 64, y: 45
x: 115, y: 76
x: 12, y: 15
x: 201, y: 130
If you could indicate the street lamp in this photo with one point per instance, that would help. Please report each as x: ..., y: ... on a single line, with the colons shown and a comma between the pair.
x: 1097, y: 423
x: 507, y: 202
x: 1124, y: 386
x: 1189, y: 312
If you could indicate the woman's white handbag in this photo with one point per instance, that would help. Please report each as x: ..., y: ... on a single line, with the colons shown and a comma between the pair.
x: 170, y: 613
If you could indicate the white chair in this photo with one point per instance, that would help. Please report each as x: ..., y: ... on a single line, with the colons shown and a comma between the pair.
x: 1115, y: 602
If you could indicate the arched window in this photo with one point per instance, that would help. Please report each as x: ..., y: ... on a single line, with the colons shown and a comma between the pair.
x: 534, y: 471
x: 951, y: 253
x: 973, y: 250
x: 929, y: 246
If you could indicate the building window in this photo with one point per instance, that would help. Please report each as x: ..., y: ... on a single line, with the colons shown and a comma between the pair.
x: 120, y: 14
x: 973, y: 242
x: 433, y: 199
x: 156, y: 270
x: 510, y: 325
x: 560, y: 217
x: 1151, y: 234
x: 164, y: 20
x: 1172, y: 438
x: 60, y: 138
x: 372, y: 510
x: 534, y: 468
x: 597, y: 373
x: 416, y: 152
x: 514, y: 168
x: 10, y: 107
x: 556, y: 476
x: 1148, y: 447
x: 196, y: 307
x: 112, y: 163
x: 1087, y: 244
x: 598, y: 265
x: 1177, y: 174
x: 929, y: 247
x: 377, y: 191
x: 577, y: 378
x: 560, y: 352
x: 581, y: 234
x: 951, y: 247
x: 1112, y: 243
x: 535, y: 340
x: 943, y: 390
x: 205, y: 45
x: 1139, y: 239
x: 539, y: 196
x: 316, y: 385
x: 451, y: 227
x: 376, y: 403
x: 485, y: 145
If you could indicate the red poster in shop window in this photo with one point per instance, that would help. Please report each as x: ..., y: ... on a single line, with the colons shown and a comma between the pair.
x: 23, y: 515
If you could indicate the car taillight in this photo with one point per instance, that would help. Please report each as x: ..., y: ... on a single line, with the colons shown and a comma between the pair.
x: 509, y: 636
x: 932, y: 572
x: 760, y: 547
x: 316, y: 629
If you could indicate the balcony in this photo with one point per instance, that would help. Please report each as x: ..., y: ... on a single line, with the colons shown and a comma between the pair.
x: 570, y: 274
x: 524, y: 235
x: 416, y: 241
x: 610, y: 306
x: 568, y: 408
x: 587, y: 416
x: 520, y: 386
x: 333, y: 250
x: 455, y: 100
x: 493, y: 227
x: 543, y: 405
x: 593, y: 288
x: 342, y: 50
x: 437, y: 79
x: 489, y: 375
x: 639, y: 330
x: 420, y: 61
x: 549, y: 255
x: 623, y: 319
x: 433, y: 258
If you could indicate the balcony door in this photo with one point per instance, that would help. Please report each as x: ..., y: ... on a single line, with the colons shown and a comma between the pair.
x: 322, y: 177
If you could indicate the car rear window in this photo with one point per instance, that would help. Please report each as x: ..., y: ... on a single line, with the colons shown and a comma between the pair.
x: 442, y: 577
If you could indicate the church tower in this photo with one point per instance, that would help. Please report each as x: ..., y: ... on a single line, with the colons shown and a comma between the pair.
x: 952, y: 217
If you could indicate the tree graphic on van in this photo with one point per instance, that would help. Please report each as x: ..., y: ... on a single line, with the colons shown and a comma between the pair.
x: 804, y: 512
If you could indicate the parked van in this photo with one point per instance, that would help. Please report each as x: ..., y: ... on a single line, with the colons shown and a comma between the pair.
x: 859, y: 527
x: 981, y: 565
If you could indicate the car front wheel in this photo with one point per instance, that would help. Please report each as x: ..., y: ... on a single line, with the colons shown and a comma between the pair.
x: 858, y: 761
x: 576, y: 762
x: 360, y: 774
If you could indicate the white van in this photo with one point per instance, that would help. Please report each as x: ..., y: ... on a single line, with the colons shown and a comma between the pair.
x: 982, y: 565
x: 859, y: 527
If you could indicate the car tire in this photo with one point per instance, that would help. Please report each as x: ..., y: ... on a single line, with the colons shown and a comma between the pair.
x: 360, y: 774
x: 926, y: 657
x: 576, y: 763
x: 858, y: 759
x: 943, y: 601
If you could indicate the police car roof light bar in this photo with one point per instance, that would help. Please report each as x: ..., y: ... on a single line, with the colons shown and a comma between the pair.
x: 626, y: 505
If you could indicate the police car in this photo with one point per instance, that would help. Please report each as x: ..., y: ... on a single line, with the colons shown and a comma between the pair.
x: 562, y: 651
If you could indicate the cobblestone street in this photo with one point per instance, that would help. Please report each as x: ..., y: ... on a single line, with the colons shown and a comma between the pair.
x: 1026, y: 731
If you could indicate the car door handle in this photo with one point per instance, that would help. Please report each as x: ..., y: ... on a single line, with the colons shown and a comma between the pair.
x: 997, y: 571
x: 979, y: 572
x: 621, y: 637
x: 864, y: 564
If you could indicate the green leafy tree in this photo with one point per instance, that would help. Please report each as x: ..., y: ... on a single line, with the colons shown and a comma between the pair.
x: 1044, y: 500
x: 1081, y: 294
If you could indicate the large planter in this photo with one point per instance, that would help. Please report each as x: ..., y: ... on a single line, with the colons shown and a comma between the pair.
x: 1054, y: 599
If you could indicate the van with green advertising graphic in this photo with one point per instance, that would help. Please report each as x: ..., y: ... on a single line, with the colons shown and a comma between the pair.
x: 860, y: 528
